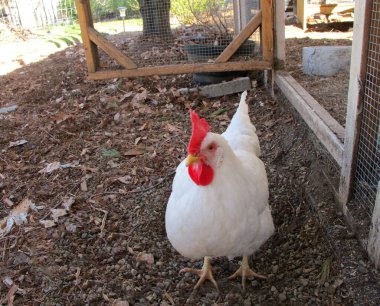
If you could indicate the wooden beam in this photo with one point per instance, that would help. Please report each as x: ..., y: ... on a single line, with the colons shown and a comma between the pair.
x: 267, y: 29
x: 279, y: 40
x: 240, y: 39
x: 325, y: 127
x: 179, y: 69
x: 355, y: 98
x: 85, y: 22
x: 301, y: 15
x: 110, y: 49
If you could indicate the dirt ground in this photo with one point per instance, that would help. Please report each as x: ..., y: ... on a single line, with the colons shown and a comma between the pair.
x: 97, y: 160
x: 331, y: 92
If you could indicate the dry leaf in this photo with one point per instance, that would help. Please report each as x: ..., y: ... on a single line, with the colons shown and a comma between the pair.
x: 133, y: 153
x: 137, y: 140
x: 55, y: 166
x: 83, y: 185
x: 47, y: 223
x: 71, y: 227
x: 60, y: 117
x: 57, y: 212
x: 17, y: 143
x: 124, y: 179
x: 143, y: 126
x: 68, y: 203
x: 139, y: 97
x: 125, y: 96
x: 120, y: 303
x: 17, y: 215
x: 171, y: 128
x: 50, y: 167
x: 8, y: 202
x: 145, y: 257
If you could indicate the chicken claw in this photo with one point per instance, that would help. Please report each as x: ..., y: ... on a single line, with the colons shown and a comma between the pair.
x: 204, y: 273
x: 245, y: 271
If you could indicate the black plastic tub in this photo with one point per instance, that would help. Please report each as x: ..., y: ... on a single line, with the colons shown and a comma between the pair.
x: 205, y: 52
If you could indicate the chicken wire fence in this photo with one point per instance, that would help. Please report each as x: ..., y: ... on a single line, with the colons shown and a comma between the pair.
x: 32, y: 14
x: 367, y: 174
x: 162, y: 32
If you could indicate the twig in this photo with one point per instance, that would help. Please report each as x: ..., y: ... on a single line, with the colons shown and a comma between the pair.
x: 102, y: 226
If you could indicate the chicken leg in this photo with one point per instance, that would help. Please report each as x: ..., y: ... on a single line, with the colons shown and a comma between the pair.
x: 204, y: 273
x: 245, y: 271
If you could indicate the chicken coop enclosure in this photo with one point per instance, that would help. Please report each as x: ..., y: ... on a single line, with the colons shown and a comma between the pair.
x: 360, y: 176
x: 182, y: 37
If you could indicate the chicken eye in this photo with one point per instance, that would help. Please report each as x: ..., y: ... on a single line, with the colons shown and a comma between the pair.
x: 211, y: 147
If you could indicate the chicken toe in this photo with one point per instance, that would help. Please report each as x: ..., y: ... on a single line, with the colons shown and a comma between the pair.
x: 204, y: 273
x: 245, y: 271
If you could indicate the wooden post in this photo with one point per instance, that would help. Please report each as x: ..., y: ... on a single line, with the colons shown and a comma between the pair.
x: 85, y: 21
x: 355, y: 99
x: 301, y: 8
x: 267, y: 29
x: 279, y: 40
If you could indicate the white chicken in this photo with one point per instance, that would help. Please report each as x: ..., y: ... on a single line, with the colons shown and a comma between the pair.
x: 219, y: 200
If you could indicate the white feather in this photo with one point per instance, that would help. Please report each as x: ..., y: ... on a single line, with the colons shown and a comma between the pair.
x: 231, y: 216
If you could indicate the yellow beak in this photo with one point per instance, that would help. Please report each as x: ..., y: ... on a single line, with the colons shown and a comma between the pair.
x: 191, y: 159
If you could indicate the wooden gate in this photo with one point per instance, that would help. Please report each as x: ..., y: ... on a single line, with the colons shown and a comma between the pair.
x: 92, y: 40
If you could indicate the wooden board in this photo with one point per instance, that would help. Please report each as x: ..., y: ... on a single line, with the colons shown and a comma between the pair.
x: 85, y: 21
x: 325, y: 127
x: 240, y: 39
x: 110, y: 49
x: 178, y: 69
x: 267, y: 29
x: 329, y: 9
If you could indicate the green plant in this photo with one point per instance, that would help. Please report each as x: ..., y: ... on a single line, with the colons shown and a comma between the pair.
x: 106, y: 9
x: 187, y: 10
x: 214, y: 15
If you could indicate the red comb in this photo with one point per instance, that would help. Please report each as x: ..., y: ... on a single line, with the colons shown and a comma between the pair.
x: 200, y: 129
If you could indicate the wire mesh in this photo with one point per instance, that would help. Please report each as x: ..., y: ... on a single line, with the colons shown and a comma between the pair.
x: 31, y: 14
x: 367, y: 173
x: 161, y: 32
x: 9, y: 13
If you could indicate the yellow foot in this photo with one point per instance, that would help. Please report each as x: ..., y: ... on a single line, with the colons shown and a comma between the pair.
x: 204, y: 274
x: 245, y: 271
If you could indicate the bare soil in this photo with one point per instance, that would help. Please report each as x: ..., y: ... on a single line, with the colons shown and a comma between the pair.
x: 330, y: 92
x: 121, y: 141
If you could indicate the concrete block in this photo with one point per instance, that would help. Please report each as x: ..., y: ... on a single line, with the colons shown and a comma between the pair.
x: 326, y: 60
x: 226, y: 88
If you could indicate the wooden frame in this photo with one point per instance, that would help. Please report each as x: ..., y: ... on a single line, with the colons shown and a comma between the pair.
x: 355, y: 99
x: 93, y: 39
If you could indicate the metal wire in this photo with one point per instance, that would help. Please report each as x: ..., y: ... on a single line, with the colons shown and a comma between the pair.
x: 161, y: 32
x: 367, y: 173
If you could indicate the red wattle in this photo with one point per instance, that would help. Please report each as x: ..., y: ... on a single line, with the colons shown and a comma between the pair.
x: 201, y: 174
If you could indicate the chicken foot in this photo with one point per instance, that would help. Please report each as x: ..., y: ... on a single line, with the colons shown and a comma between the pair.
x: 245, y: 271
x: 204, y: 273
